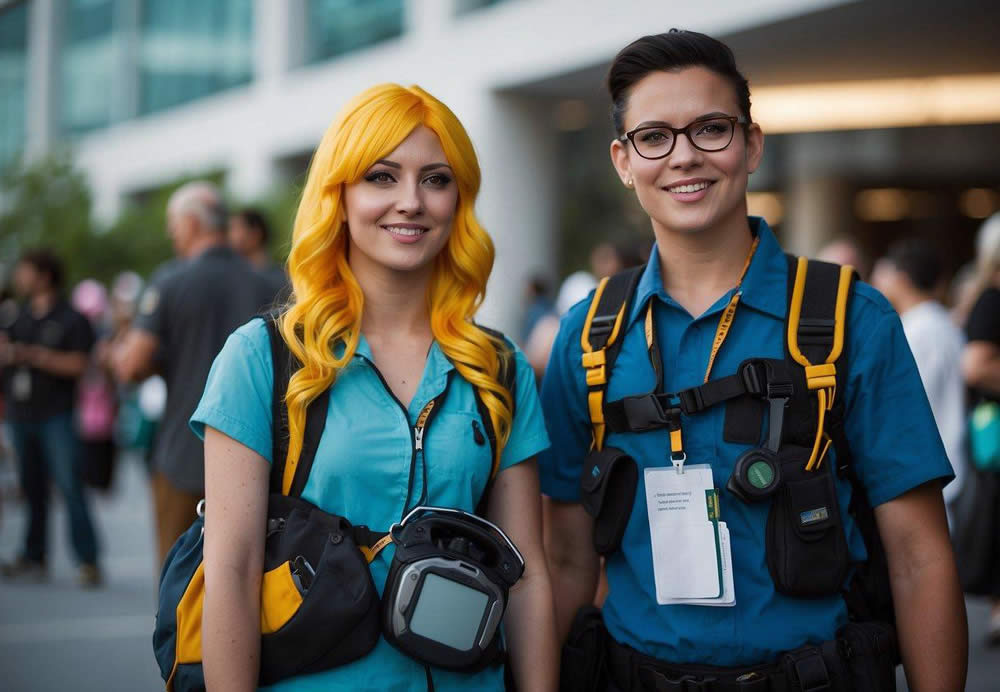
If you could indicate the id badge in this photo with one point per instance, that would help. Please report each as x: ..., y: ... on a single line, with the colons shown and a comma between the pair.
x: 21, y: 384
x: 684, y: 533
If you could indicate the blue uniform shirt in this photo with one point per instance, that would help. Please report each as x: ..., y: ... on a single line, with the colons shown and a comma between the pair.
x: 889, y: 425
x: 362, y: 467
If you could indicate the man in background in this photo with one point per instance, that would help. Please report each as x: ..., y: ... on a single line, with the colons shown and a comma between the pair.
x: 183, y: 320
x: 42, y: 354
x: 249, y: 234
x: 910, y: 276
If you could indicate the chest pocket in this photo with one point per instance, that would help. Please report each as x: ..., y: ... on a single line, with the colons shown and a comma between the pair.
x: 458, y: 457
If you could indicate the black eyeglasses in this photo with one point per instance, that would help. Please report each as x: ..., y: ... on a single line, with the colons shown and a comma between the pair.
x: 707, y: 134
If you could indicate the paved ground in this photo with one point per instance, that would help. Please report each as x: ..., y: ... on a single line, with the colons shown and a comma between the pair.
x: 56, y: 637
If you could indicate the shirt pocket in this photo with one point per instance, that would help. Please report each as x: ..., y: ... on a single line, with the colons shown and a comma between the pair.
x: 458, y: 458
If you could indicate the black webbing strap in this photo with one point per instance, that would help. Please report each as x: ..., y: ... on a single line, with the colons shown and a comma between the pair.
x: 601, y: 340
x: 284, y: 365
x: 817, y: 317
x: 757, y: 377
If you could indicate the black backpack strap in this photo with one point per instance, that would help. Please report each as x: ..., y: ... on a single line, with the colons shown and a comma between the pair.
x: 507, y: 376
x: 284, y: 365
x: 601, y: 340
x: 817, y: 318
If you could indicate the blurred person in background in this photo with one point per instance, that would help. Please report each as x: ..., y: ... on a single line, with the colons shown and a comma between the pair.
x: 846, y: 251
x: 97, y: 398
x: 183, y: 320
x: 43, y: 354
x: 537, y: 303
x: 249, y: 234
x: 910, y: 276
x: 981, y: 367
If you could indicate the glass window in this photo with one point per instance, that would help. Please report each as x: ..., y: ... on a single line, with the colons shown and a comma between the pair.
x: 13, y: 77
x: 192, y: 48
x: 86, y: 62
x: 335, y: 27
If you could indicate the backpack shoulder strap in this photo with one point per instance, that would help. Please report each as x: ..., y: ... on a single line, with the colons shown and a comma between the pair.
x: 601, y: 342
x: 290, y: 479
x: 817, y: 317
x: 507, y: 377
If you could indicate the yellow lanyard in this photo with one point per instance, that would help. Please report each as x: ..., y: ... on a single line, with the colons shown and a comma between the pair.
x: 721, y: 332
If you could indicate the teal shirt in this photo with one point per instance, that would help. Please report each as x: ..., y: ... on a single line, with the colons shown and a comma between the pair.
x: 362, y: 467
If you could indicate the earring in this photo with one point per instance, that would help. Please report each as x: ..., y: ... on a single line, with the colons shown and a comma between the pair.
x: 628, y: 183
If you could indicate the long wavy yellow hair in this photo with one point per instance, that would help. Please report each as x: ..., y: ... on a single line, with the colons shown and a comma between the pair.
x: 323, y: 318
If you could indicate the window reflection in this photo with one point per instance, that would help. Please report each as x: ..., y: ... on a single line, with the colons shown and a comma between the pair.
x: 13, y: 77
x: 335, y: 27
x: 86, y: 62
x: 192, y: 48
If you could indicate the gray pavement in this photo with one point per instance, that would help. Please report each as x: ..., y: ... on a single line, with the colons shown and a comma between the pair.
x: 56, y: 636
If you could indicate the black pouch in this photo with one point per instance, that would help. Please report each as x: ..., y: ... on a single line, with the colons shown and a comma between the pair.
x: 338, y: 619
x: 607, y: 490
x: 806, y: 546
x: 870, y: 650
x: 583, y: 666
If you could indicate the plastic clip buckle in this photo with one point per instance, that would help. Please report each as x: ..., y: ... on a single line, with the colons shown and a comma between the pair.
x: 754, y: 376
x: 600, y: 326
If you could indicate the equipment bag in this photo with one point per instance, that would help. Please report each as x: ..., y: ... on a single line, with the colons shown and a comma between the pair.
x: 319, y: 605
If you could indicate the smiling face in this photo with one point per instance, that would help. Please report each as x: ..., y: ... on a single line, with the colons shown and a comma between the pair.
x: 399, y: 214
x: 689, y: 190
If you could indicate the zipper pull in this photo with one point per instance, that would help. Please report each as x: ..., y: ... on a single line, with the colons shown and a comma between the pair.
x: 477, y: 434
x: 418, y: 437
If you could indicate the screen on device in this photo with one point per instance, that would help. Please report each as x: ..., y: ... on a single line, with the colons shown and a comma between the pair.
x: 448, y: 612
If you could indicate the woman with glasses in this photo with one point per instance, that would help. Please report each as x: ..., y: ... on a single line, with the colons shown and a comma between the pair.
x: 697, y: 605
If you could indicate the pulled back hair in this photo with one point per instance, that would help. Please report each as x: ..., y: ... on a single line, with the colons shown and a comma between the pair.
x: 322, y: 324
x: 673, y: 50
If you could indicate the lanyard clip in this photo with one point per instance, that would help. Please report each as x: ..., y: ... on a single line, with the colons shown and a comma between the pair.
x: 678, y: 459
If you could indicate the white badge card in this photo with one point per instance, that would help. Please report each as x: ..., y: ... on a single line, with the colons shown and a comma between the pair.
x: 728, y: 597
x: 685, y: 541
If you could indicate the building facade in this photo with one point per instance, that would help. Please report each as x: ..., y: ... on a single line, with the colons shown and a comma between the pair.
x: 147, y: 91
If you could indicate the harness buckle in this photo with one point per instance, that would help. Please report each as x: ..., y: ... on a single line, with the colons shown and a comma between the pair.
x: 601, y: 326
x: 816, y: 332
x: 645, y: 413
x: 754, y: 375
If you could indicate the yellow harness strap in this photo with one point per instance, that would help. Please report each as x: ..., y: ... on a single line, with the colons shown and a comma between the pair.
x: 371, y: 552
x: 821, y: 377
x: 593, y: 363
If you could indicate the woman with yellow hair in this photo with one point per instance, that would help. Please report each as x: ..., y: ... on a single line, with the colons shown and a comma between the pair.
x: 388, y: 266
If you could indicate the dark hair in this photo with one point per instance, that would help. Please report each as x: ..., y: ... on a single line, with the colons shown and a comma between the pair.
x: 673, y: 50
x: 48, y: 263
x: 255, y: 220
x: 918, y: 260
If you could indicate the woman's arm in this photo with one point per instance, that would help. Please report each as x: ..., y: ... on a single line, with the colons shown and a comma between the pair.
x: 930, y: 611
x: 236, y: 486
x: 515, y: 506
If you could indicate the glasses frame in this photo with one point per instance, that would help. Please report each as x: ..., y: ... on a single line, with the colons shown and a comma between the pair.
x: 678, y: 131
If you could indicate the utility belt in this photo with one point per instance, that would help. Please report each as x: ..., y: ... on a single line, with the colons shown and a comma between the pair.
x: 859, y: 659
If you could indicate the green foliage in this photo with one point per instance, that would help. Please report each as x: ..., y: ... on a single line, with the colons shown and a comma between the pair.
x: 46, y: 203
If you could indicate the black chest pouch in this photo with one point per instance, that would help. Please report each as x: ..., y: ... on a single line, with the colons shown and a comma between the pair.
x: 447, y: 588
x: 806, y: 546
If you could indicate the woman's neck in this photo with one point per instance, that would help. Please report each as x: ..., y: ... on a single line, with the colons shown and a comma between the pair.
x: 395, y: 304
x: 697, y: 268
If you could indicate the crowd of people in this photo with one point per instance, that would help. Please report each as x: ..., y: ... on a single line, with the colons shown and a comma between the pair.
x: 650, y: 382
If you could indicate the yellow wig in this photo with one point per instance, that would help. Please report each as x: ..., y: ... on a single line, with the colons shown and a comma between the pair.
x: 324, y: 317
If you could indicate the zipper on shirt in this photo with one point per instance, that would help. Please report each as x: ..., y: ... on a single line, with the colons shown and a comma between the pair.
x: 416, y: 432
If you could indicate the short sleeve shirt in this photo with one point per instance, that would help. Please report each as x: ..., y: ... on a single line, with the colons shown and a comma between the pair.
x: 362, y: 467
x: 889, y: 425
x: 32, y: 395
x: 192, y: 308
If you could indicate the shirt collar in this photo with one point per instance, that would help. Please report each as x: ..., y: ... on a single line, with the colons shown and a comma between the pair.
x: 764, y: 286
x: 438, y: 365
